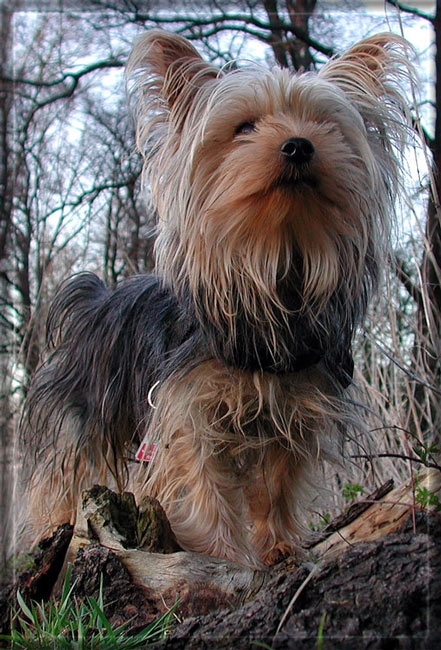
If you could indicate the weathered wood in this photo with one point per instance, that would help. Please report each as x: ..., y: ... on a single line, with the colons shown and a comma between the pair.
x: 382, y: 517
x: 117, y: 521
x: 202, y: 583
x: 96, y: 569
x: 373, y: 583
x: 133, y: 534
x: 231, y: 584
x: 380, y: 594
x: 37, y: 581
x: 348, y: 516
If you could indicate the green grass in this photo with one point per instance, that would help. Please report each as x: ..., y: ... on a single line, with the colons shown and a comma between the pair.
x: 320, y: 636
x: 76, y: 624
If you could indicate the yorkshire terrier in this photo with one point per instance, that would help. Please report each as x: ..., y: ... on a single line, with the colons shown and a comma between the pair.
x: 229, y: 365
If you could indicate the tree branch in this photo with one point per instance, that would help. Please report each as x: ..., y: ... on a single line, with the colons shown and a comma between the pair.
x: 75, y: 76
x: 413, y: 459
x: 410, y: 10
x: 404, y: 277
x: 222, y: 22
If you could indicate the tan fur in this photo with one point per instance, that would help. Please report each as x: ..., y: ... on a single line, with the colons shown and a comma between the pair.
x: 217, y: 196
x: 60, y: 478
x: 233, y: 447
x: 224, y: 220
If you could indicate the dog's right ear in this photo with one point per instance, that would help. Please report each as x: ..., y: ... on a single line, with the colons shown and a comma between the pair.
x: 164, y: 73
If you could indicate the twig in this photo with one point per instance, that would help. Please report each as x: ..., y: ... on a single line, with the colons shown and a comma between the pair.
x: 352, y: 513
x: 313, y: 572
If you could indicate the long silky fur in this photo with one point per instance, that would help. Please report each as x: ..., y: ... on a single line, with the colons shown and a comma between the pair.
x: 213, y: 199
x: 87, y: 404
x: 235, y: 357
x: 256, y: 438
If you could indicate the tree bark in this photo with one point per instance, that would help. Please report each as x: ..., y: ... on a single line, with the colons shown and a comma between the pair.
x: 37, y: 581
x: 5, y: 268
x: 377, y: 595
x: 374, y: 583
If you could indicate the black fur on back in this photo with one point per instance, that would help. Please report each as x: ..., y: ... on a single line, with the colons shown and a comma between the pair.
x: 107, y: 348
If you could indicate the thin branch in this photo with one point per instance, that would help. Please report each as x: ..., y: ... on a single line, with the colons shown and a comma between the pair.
x: 410, y: 10
x: 404, y: 277
x: 413, y: 459
x: 219, y: 24
x: 401, y: 366
x: 92, y: 193
x: 75, y: 76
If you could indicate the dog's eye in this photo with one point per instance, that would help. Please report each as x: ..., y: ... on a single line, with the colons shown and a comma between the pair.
x: 245, y: 127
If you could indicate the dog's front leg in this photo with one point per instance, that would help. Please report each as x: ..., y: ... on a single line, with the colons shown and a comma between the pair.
x: 273, y: 503
x: 202, y: 494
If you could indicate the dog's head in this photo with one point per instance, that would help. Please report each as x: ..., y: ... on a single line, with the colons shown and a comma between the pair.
x: 264, y: 179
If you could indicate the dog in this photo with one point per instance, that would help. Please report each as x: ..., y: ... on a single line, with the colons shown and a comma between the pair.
x: 231, y: 366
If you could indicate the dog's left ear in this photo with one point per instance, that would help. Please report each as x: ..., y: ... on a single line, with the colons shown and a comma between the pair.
x: 167, y: 72
x: 371, y: 69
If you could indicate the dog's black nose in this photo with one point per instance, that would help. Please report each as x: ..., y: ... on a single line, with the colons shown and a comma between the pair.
x: 298, y: 150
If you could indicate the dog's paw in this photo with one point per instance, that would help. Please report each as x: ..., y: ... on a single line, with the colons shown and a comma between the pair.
x: 277, y: 553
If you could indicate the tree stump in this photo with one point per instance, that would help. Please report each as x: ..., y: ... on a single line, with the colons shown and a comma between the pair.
x: 372, y: 578
x: 141, y: 540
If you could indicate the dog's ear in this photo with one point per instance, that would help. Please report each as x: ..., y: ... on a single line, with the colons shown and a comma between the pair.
x: 167, y: 71
x: 371, y: 69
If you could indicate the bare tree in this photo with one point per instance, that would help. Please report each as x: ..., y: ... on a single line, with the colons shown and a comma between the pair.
x: 423, y: 283
x: 48, y: 190
x: 6, y: 197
